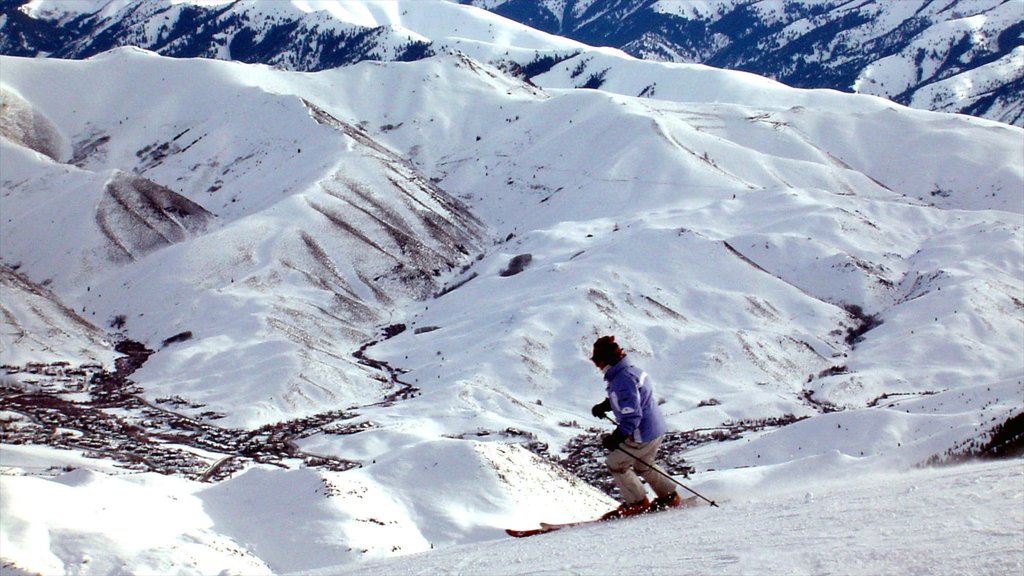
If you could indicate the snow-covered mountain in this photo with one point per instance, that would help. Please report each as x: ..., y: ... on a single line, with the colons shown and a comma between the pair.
x: 964, y: 56
x: 219, y: 192
x: 260, y: 320
x: 307, y: 35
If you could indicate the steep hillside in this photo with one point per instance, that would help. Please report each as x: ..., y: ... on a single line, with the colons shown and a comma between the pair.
x: 39, y: 329
x: 205, y: 205
x: 361, y: 300
x: 962, y: 56
x: 295, y: 35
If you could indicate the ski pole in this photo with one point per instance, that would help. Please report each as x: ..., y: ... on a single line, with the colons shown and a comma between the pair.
x: 654, y: 467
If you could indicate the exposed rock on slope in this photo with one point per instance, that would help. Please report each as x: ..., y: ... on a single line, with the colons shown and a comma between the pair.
x: 138, y: 216
x: 24, y: 125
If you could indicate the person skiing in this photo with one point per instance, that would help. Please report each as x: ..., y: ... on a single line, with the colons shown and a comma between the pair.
x: 639, y: 431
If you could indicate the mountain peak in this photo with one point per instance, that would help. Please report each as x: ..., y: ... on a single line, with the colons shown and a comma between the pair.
x: 958, y: 56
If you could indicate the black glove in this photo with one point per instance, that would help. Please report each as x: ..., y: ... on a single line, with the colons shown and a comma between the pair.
x: 599, y: 410
x: 612, y: 441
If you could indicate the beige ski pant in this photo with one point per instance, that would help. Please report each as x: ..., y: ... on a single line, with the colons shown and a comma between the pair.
x: 624, y: 469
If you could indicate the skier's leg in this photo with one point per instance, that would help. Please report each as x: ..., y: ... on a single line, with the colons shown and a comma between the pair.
x: 620, y: 465
x: 646, y: 466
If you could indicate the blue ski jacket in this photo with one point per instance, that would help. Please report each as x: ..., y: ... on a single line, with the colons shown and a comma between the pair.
x: 631, y: 393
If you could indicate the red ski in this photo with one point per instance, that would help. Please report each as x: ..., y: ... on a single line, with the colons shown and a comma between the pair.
x: 524, y: 533
x: 546, y: 527
x: 552, y: 527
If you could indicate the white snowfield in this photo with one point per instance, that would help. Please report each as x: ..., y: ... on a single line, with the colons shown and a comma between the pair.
x: 763, y: 252
x: 956, y: 520
x: 964, y: 519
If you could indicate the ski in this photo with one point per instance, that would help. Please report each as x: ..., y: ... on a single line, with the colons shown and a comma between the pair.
x: 552, y: 527
x: 546, y: 527
x: 524, y: 533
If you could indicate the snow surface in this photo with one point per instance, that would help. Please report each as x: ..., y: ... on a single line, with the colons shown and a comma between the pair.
x: 724, y: 229
x: 936, y: 56
x: 445, y: 24
x: 930, y: 55
x: 771, y: 520
x: 961, y: 520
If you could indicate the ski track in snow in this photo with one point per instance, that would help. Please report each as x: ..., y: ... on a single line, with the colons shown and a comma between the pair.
x: 958, y: 520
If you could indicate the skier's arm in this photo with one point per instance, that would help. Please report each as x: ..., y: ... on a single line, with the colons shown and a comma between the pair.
x: 626, y: 403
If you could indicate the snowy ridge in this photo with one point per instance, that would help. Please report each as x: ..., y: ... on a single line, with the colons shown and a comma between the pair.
x: 431, y: 247
x: 400, y: 243
x: 959, y: 65
x: 960, y: 56
x: 292, y: 34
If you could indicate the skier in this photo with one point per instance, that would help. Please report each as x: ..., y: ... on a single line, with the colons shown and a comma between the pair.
x: 639, y: 431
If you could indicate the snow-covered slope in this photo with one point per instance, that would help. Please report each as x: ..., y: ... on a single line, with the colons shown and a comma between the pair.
x: 771, y: 256
x: 207, y: 205
x: 268, y: 521
x: 963, y: 519
x: 39, y: 328
x: 292, y: 34
x: 879, y: 524
x: 963, y: 56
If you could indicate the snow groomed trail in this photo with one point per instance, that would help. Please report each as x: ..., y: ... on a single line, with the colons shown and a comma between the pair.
x: 966, y: 519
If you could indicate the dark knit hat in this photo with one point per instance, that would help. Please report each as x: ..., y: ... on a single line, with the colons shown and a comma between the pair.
x: 606, y: 351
